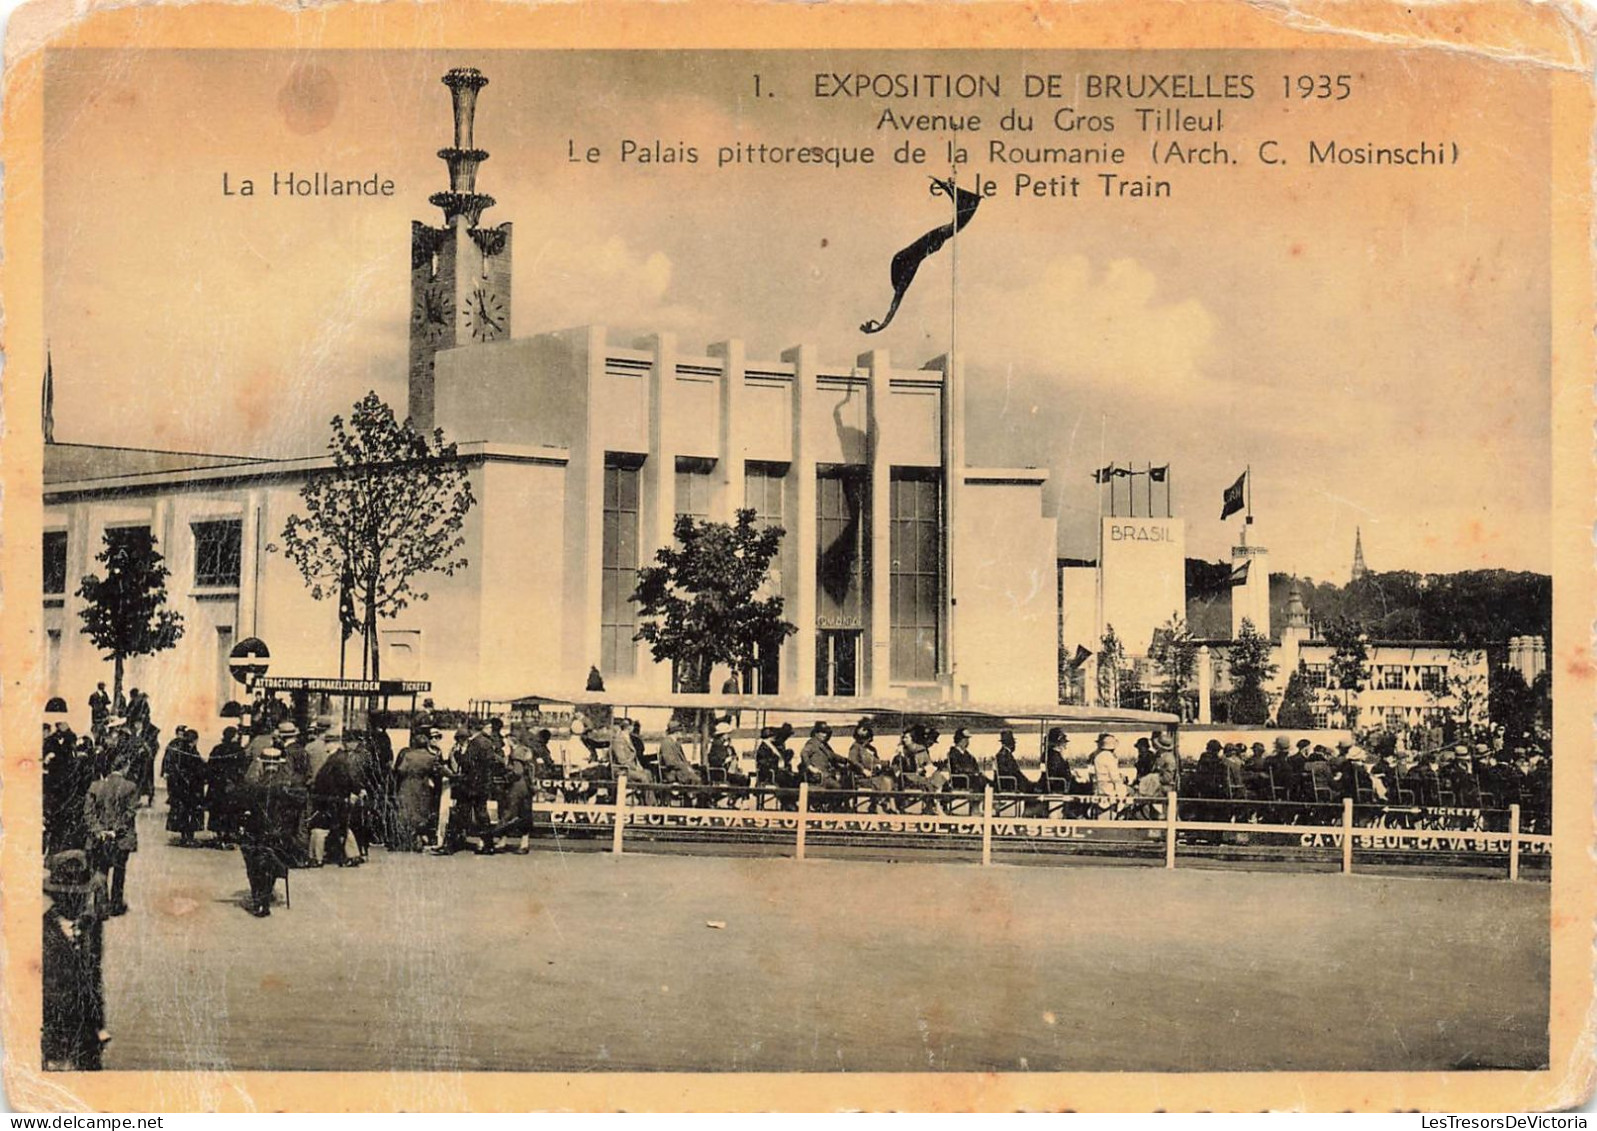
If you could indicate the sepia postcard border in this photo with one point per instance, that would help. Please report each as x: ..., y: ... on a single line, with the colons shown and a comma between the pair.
x: 1557, y: 39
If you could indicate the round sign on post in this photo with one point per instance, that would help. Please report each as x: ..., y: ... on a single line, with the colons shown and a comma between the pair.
x: 248, y: 661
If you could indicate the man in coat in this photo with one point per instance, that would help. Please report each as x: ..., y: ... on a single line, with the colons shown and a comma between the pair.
x: 73, y: 989
x: 818, y: 758
x: 962, y: 763
x: 1107, y: 780
x: 1056, y: 763
x: 472, y: 786
x: 66, y: 780
x: 272, y: 803
x: 110, y: 814
x: 1006, y: 767
x: 675, y: 769
x: 334, y: 791
x: 99, y: 711
x: 184, y: 771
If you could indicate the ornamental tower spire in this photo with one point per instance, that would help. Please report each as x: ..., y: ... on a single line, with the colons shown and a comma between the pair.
x: 463, y: 158
x: 459, y: 276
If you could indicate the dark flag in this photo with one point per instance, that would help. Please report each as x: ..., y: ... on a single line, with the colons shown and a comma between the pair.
x: 1123, y: 472
x: 1081, y: 657
x: 908, y: 261
x: 347, y: 620
x: 1233, y: 497
x: 1104, y: 474
x: 1159, y: 474
x: 1239, y: 571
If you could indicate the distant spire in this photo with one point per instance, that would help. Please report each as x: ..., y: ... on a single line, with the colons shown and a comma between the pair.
x: 1359, y: 568
x: 47, y: 401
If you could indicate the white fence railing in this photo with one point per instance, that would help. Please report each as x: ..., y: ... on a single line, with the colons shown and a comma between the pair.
x: 619, y: 812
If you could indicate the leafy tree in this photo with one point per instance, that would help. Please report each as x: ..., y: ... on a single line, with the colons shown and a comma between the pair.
x: 1464, y: 689
x: 1350, y: 664
x: 1111, y: 666
x: 1297, y: 705
x: 701, y: 605
x: 388, y: 510
x: 123, y: 613
x: 1251, y: 668
x: 1174, y: 652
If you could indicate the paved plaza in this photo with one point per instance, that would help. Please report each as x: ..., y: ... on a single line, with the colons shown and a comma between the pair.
x: 571, y: 960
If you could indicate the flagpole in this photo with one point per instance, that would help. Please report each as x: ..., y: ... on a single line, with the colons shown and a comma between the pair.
x: 1150, y: 489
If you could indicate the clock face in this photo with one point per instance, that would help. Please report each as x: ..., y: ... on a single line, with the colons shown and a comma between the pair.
x: 486, y: 315
x: 433, y: 311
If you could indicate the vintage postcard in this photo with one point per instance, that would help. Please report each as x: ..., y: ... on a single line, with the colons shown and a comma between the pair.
x: 754, y: 556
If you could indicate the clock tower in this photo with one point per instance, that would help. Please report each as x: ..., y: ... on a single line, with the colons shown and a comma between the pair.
x: 460, y: 272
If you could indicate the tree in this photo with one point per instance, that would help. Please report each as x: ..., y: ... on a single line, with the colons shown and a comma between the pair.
x: 700, y: 604
x: 1174, y: 653
x: 1297, y: 705
x: 389, y: 510
x: 123, y: 613
x: 1251, y: 668
x: 1350, y: 664
x: 1111, y: 663
x: 1464, y: 689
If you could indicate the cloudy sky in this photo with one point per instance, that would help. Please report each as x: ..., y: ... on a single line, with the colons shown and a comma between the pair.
x: 1373, y: 343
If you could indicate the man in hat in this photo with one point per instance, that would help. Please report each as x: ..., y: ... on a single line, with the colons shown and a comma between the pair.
x: 335, y: 790
x: 272, y: 803
x: 472, y: 786
x: 818, y: 759
x: 99, y: 710
x: 421, y: 723
x: 672, y: 763
x: 73, y: 1031
x: 1006, y: 768
x: 110, y: 818
x: 1056, y: 762
x: 286, y: 740
x: 773, y: 761
x: 184, y: 771
x: 66, y: 780
x: 962, y: 763
x: 865, y: 765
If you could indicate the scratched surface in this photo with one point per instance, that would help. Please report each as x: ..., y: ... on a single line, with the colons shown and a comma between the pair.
x: 579, y: 961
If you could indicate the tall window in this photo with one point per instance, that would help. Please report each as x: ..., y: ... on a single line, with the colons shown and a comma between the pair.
x: 618, y: 615
x: 216, y: 553
x: 841, y: 498
x: 916, y: 577
x: 764, y: 491
x: 55, y: 562
x: 693, y: 487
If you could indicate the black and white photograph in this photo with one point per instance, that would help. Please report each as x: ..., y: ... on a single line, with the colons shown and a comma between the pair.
x: 836, y: 560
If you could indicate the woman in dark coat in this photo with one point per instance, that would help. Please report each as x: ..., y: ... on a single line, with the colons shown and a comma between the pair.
x: 224, y: 771
x: 184, y: 771
x: 419, y: 774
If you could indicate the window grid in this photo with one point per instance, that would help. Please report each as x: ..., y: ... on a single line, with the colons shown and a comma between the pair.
x: 55, y: 562
x: 916, y: 575
x: 217, y: 553
x: 618, y: 617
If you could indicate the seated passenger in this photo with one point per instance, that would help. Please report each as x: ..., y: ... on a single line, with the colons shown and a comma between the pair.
x: 865, y: 765
x: 773, y: 761
x: 1006, y: 773
x: 1107, y: 779
x: 675, y: 769
x: 962, y: 763
x: 1056, y: 763
x: 819, y: 760
x: 723, y: 756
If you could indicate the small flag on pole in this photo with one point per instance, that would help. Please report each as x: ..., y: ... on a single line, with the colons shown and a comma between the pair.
x: 1081, y: 657
x: 1104, y: 474
x: 1239, y: 571
x: 908, y: 261
x: 1158, y: 474
x: 1234, y: 497
x: 1124, y: 472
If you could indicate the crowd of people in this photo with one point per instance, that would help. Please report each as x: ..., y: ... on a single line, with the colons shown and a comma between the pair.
x: 289, y: 795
